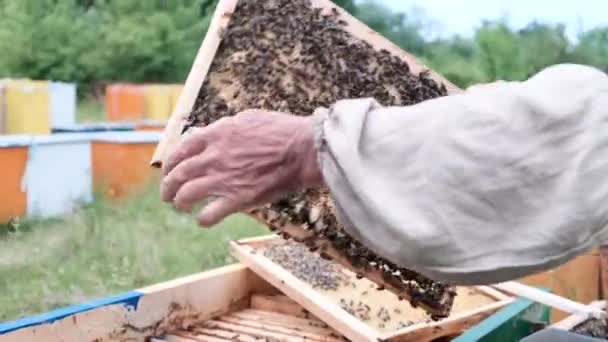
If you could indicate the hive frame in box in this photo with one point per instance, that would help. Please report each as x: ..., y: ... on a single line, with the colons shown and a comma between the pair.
x: 343, y: 322
x: 202, y: 64
x: 211, y: 43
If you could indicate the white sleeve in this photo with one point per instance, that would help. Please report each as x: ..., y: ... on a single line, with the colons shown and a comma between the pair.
x: 489, y: 185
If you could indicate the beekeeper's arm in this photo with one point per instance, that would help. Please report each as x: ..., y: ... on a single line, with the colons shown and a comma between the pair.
x: 490, y: 185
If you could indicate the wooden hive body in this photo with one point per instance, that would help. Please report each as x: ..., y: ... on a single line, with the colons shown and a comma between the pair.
x: 199, y: 92
x: 231, y: 303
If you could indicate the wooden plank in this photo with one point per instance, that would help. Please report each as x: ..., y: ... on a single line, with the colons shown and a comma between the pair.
x: 302, y: 294
x: 270, y: 303
x: 295, y: 332
x: 228, y: 335
x: 211, y: 42
x: 295, y: 326
x: 175, y: 338
x: 286, y: 320
x: 252, y: 331
x: 196, y: 77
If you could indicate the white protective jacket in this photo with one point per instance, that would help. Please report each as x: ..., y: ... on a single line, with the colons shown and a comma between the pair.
x: 489, y: 185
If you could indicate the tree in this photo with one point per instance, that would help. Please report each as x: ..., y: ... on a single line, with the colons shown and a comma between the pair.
x: 348, y: 5
x: 398, y: 27
x: 542, y: 45
x: 499, y: 51
x: 592, y: 48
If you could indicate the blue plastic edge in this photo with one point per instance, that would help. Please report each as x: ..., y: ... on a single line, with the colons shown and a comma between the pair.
x: 128, y: 299
x: 500, y: 317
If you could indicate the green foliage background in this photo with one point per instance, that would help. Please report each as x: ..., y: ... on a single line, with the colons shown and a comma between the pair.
x: 91, y: 41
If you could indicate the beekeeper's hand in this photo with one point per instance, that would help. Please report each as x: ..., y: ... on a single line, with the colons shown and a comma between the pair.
x: 250, y: 159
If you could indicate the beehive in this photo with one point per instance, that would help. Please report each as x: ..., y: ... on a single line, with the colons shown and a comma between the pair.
x: 157, y: 101
x: 55, y: 188
x: 120, y: 161
x: 13, y: 158
x: 124, y: 102
x: 27, y: 107
x: 34, y: 183
x: 295, y: 56
x: 62, y: 102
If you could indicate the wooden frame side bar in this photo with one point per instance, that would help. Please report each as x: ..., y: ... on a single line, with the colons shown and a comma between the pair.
x: 196, y: 77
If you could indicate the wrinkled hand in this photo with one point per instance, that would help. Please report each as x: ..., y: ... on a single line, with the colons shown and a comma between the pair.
x: 242, y: 161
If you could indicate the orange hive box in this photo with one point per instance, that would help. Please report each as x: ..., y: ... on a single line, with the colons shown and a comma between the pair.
x: 124, y: 102
x: 120, y: 161
x: 13, y: 158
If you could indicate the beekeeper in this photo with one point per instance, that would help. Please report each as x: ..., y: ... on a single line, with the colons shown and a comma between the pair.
x: 489, y: 185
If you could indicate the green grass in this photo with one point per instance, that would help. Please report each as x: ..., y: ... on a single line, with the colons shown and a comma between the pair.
x: 90, y: 110
x: 104, y: 249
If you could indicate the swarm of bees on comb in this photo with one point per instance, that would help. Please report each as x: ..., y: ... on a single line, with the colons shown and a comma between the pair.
x: 288, y: 56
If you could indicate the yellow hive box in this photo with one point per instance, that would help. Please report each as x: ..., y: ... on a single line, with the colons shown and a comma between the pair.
x: 157, y: 98
x: 176, y: 90
x: 2, y: 108
x: 27, y: 107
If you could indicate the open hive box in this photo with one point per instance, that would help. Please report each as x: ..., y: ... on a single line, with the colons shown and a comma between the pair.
x: 295, y: 56
x: 352, y: 305
x: 226, y: 304
x: 230, y: 303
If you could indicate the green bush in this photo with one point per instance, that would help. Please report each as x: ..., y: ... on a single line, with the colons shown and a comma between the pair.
x: 90, y: 41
